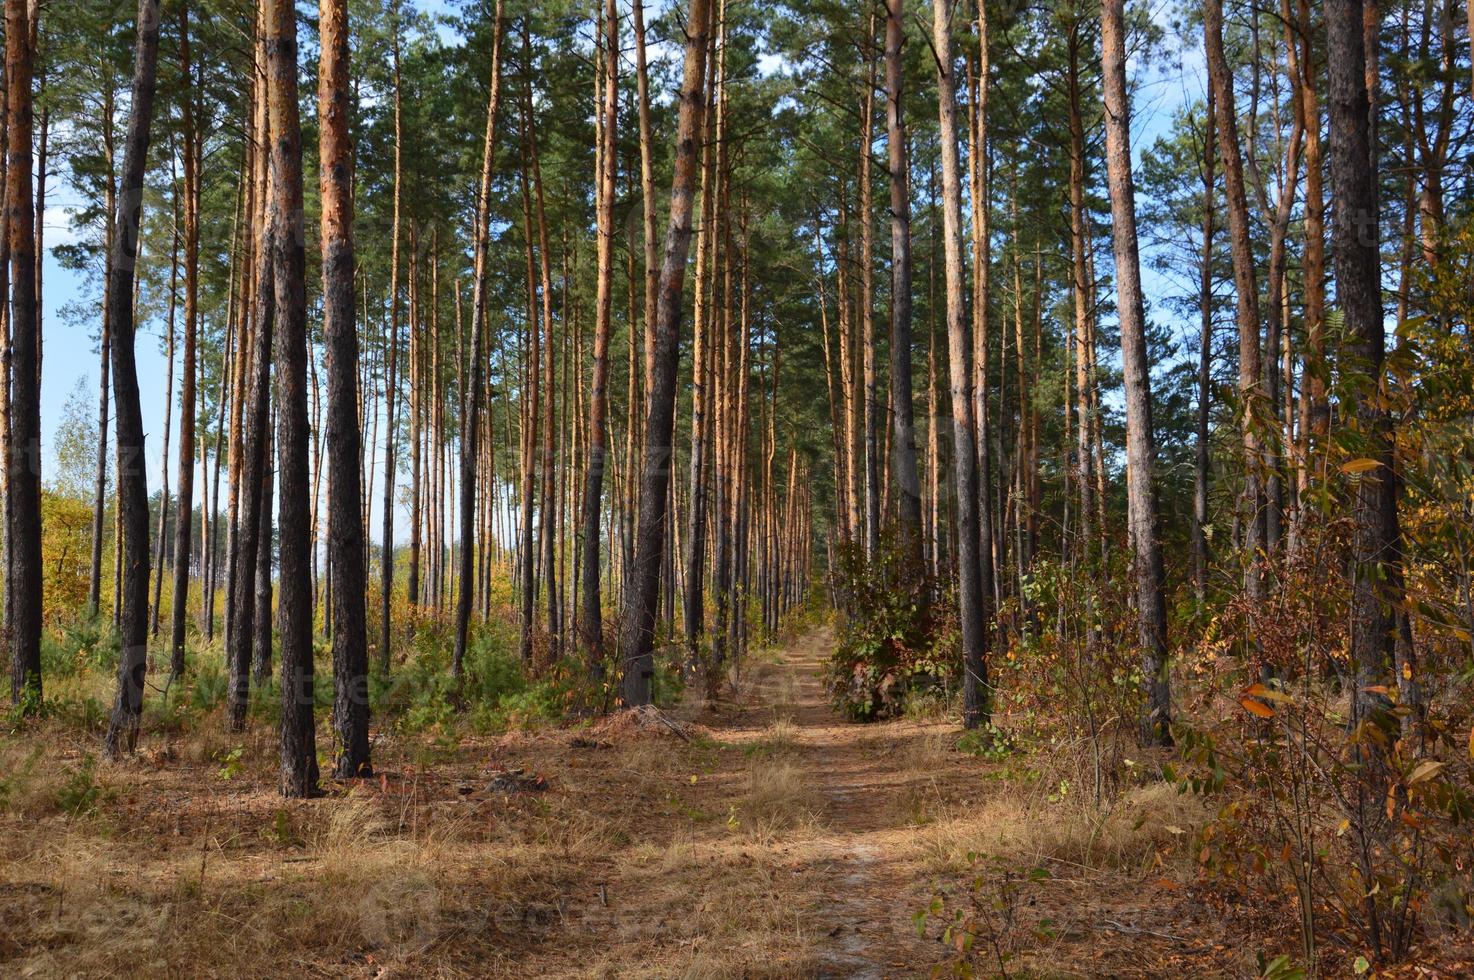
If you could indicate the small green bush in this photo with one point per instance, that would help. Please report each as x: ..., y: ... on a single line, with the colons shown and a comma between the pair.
x: 81, y: 793
x: 898, y: 636
x: 84, y: 712
x: 85, y: 644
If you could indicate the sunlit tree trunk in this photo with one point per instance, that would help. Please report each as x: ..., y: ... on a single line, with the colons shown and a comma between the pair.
x: 193, y: 151
x: 255, y: 424
x: 1143, y: 517
x: 650, y: 542
x: 1205, y: 359
x: 391, y: 384
x: 971, y: 599
x: 470, y: 437
x: 1247, y: 301
x: 99, y: 495
x: 171, y: 335
x: 1082, y: 289
x: 298, y: 736
x: 264, y: 589
x: 345, y: 546
x: 592, y: 619
x: 1315, y: 411
x: 981, y: 253
x: 694, y: 619
x: 866, y: 218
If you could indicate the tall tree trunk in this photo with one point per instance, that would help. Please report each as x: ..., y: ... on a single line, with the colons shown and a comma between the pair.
x: 255, y: 424
x: 1247, y: 290
x: 548, y: 514
x: 651, y: 244
x: 263, y: 635
x: 971, y: 599
x: 903, y: 445
x: 24, y: 497
x: 99, y: 494
x: 650, y: 541
x: 161, y: 537
x: 417, y: 384
x: 701, y: 390
x: 187, y: 393
x: 248, y: 249
x: 593, y: 629
x: 1143, y: 517
x: 988, y: 539
x: 298, y: 734
x: 122, y: 733
x: 1083, y: 289
x: 345, y: 442
x: 530, y: 402
x: 866, y: 218
x: 1205, y: 360
x: 391, y: 355
x: 470, y: 438
x: 1354, y: 238
x: 1315, y: 409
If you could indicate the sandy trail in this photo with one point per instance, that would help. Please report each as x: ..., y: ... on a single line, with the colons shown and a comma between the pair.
x: 862, y: 925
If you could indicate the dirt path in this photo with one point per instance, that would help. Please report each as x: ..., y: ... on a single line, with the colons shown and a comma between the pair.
x: 862, y: 924
x: 898, y: 811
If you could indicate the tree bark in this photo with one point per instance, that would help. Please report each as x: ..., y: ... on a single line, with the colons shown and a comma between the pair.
x: 391, y: 356
x: 988, y: 538
x: 650, y: 543
x: 1354, y: 238
x: 701, y: 392
x: 592, y: 624
x: 866, y: 316
x: 289, y: 259
x: 263, y: 588
x: 971, y: 600
x: 1247, y: 290
x: 471, y: 437
x: 24, y: 587
x: 255, y: 422
x: 99, y: 496
x: 1315, y: 410
x: 345, y: 551
x: 1143, y: 516
x: 1082, y: 288
x: 1205, y: 361
x: 122, y: 733
x: 187, y: 393
x: 903, y: 445
x: 161, y: 537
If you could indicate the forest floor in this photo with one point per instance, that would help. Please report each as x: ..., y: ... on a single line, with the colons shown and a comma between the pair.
x: 762, y: 837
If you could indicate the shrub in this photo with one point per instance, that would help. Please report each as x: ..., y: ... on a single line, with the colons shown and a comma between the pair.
x: 86, y: 643
x: 899, y: 635
x: 81, y: 793
x: 1366, y: 829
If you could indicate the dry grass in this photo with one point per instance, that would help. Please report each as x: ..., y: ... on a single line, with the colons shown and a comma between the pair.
x: 756, y: 851
x: 1044, y: 807
x: 1123, y: 836
x: 175, y: 870
x: 779, y: 800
